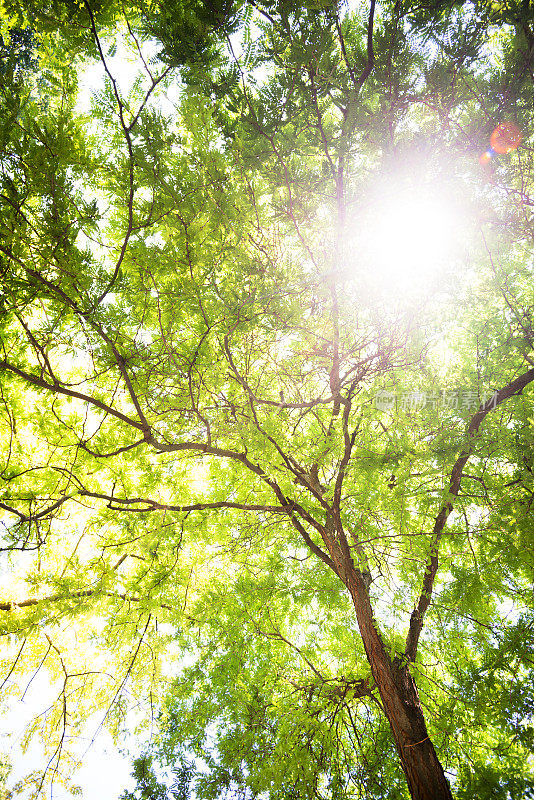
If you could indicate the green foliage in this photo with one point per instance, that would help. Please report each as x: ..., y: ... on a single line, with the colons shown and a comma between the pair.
x: 17, y: 55
x: 195, y: 333
x: 149, y: 788
x: 5, y: 769
x: 187, y: 30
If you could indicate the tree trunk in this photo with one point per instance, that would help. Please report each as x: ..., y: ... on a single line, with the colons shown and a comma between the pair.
x: 424, y: 772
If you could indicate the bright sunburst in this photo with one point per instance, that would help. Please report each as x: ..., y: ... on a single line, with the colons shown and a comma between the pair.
x: 413, y: 238
x: 408, y: 238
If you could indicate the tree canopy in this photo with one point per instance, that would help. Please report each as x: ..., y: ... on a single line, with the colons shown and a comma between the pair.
x: 266, y: 374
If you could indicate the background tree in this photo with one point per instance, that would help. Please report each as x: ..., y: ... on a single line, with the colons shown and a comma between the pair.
x: 198, y: 314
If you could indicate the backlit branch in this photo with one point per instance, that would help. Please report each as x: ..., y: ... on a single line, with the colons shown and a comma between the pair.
x: 515, y: 387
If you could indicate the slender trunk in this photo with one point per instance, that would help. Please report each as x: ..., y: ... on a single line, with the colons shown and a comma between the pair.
x: 400, y: 699
x: 424, y: 772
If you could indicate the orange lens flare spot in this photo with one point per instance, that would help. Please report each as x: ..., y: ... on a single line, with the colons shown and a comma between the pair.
x: 505, y: 138
x: 485, y: 158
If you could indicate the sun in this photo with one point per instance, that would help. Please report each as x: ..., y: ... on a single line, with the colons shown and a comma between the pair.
x: 414, y: 237
x: 408, y: 238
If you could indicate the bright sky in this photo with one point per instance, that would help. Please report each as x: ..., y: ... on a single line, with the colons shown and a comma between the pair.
x: 105, y: 773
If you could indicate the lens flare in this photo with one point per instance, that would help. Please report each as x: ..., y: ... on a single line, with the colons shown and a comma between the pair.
x: 505, y: 138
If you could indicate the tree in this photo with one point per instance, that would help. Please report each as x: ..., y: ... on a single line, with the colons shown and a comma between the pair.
x: 212, y: 402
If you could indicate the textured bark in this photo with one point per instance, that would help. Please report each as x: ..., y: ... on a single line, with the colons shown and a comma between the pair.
x: 424, y: 773
x: 398, y: 692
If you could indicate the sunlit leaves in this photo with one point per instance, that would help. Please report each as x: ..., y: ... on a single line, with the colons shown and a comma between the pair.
x: 189, y: 341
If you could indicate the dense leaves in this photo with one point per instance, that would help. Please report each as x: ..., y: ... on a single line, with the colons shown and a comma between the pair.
x: 266, y: 432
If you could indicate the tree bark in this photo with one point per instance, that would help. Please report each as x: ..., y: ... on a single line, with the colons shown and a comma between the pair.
x: 400, y: 698
x: 424, y: 773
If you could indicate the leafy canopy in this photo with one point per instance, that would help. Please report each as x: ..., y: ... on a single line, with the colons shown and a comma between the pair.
x: 195, y: 333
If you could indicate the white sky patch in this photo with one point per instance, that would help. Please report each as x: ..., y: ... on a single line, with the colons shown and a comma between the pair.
x: 445, y: 358
x: 126, y: 65
x: 408, y: 238
x: 105, y: 772
x: 122, y: 62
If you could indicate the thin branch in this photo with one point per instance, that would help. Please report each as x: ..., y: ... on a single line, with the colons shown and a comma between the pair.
x: 154, y: 505
x: 370, y: 52
x: 12, y: 605
x: 513, y: 388
x: 57, y: 388
x: 14, y: 664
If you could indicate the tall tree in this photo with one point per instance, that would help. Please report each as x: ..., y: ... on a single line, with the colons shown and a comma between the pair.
x: 235, y: 402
